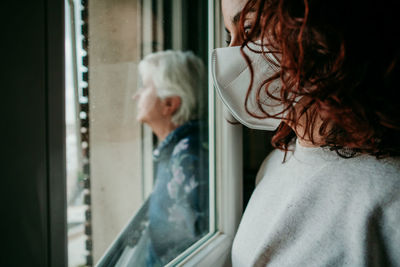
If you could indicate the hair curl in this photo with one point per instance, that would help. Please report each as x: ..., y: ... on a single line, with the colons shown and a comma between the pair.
x: 343, y: 57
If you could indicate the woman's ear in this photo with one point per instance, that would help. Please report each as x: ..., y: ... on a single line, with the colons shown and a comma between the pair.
x: 171, y: 105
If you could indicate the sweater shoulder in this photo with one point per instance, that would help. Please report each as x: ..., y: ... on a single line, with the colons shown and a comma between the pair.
x: 365, y: 167
x: 379, y: 179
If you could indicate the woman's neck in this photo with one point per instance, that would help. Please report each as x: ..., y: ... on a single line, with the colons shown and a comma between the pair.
x: 162, y: 128
x: 301, y: 126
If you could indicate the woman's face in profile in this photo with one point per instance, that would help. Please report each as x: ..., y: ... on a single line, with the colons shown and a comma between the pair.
x: 231, y: 11
x: 149, y: 105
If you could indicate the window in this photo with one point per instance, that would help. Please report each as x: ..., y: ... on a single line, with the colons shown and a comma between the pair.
x: 111, y: 170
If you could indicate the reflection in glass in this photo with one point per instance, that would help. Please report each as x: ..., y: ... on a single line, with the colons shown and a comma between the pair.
x: 177, y: 212
x: 140, y: 189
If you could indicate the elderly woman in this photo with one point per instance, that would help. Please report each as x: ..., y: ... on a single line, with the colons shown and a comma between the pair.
x: 170, y: 103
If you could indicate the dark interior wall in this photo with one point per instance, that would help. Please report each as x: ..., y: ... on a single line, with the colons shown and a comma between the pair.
x: 24, y: 136
x: 256, y: 147
x: 32, y: 134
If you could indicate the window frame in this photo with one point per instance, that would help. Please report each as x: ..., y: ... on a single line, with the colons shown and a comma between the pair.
x: 225, y: 143
x: 225, y: 158
x: 33, y: 140
x: 226, y: 186
x: 49, y: 199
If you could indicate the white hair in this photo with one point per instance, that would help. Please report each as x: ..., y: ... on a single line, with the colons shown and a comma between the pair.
x: 177, y: 73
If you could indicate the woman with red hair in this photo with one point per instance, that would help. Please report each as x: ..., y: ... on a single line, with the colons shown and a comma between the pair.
x: 322, y: 74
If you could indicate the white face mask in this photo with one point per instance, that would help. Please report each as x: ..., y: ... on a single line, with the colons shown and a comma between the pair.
x: 231, y: 76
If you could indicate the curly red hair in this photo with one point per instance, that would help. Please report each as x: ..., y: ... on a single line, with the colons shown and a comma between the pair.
x: 343, y: 57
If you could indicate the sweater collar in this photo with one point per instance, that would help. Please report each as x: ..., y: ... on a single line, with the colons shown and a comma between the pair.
x: 313, y: 155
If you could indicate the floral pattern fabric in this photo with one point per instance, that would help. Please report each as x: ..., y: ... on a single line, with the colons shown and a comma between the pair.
x: 178, y: 206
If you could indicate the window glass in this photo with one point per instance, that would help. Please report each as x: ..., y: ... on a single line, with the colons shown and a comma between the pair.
x: 137, y: 130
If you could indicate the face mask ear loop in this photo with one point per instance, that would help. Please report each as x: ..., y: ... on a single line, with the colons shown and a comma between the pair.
x: 250, y: 67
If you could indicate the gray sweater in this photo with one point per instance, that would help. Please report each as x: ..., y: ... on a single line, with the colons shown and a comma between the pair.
x: 318, y: 209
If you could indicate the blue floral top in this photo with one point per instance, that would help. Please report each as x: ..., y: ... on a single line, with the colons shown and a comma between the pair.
x: 178, y: 206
